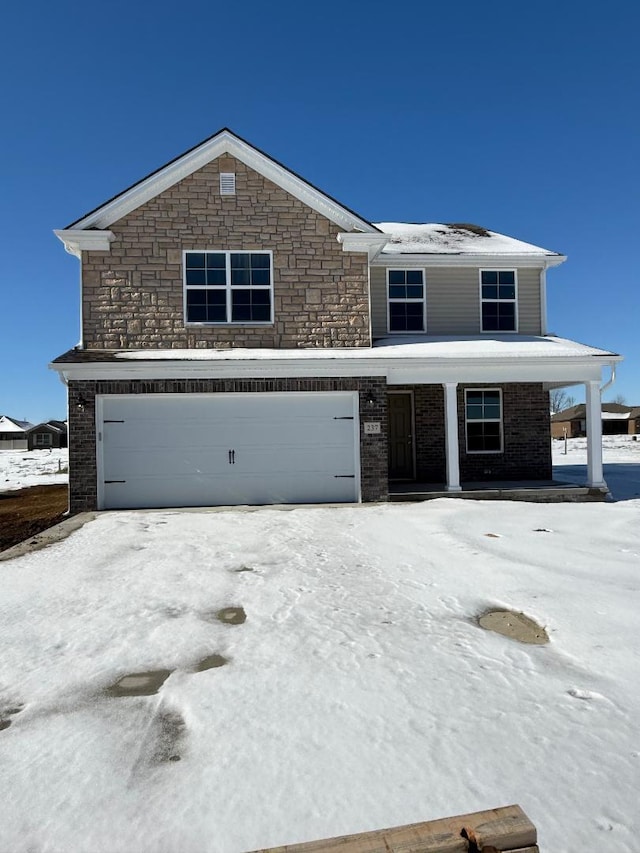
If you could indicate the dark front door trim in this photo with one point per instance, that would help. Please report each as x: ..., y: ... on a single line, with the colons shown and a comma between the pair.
x: 402, y: 468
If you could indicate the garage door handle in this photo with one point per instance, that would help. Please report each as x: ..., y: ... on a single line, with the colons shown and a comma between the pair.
x: 232, y: 457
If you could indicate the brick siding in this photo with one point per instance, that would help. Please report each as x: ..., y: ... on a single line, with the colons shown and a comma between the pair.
x: 133, y: 295
x: 82, y: 424
x: 526, y: 437
x: 527, y: 443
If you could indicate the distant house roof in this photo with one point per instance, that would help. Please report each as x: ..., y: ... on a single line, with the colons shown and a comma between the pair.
x: 432, y: 238
x: 610, y: 411
x: 56, y: 426
x: 8, y: 424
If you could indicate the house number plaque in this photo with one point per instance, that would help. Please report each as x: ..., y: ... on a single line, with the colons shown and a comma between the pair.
x: 372, y: 427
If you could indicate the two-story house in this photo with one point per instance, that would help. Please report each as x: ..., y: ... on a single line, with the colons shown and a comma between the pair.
x: 247, y: 339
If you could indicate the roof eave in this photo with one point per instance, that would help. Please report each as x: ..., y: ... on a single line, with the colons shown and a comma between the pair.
x: 224, y: 142
x: 468, y: 259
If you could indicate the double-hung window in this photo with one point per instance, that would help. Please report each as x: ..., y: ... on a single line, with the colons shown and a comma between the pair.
x: 43, y: 439
x: 483, y: 420
x: 498, y: 300
x: 228, y: 287
x: 406, y: 300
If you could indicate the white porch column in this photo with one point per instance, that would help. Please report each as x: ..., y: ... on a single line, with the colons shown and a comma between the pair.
x: 595, y: 478
x: 451, y: 435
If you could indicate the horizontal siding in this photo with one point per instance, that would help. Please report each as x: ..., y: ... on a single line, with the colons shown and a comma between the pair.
x: 529, y: 302
x: 453, y: 301
x: 378, y: 279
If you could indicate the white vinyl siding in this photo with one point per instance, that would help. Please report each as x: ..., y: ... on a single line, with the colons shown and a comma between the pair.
x: 453, y: 301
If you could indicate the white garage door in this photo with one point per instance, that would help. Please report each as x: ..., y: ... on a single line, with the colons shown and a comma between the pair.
x: 162, y: 450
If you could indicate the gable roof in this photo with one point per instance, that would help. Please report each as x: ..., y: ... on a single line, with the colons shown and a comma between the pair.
x: 8, y: 424
x: 453, y: 239
x: 54, y: 426
x: 222, y: 142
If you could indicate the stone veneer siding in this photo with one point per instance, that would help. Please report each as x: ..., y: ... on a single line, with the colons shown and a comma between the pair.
x: 526, y: 439
x: 82, y: 424
x: 133, y: 294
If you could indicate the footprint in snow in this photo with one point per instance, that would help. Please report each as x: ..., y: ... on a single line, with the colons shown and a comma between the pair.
x: 7, y: 711
x: 164, y: 740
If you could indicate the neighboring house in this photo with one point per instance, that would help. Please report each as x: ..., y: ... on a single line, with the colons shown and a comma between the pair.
x: 48, y: 435
x: 247, y: 339
x: 13, y: 433
x: 617, y: 419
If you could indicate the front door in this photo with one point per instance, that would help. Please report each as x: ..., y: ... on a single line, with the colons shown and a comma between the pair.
x: 401, y: 458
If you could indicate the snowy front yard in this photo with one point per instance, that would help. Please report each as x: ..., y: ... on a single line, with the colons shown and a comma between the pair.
x: 21, y: 468
x: 359, y: 692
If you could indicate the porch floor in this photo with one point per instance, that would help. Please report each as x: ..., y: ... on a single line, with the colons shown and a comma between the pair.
x: 538, y: 491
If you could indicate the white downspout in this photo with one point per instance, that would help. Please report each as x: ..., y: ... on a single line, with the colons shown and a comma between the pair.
x: 606, y: 385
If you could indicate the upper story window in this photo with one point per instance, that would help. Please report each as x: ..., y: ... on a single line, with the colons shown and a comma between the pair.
x: 498, y: 300
x: 406, y: 301
x: 228, y: 287
x: 483, y: 420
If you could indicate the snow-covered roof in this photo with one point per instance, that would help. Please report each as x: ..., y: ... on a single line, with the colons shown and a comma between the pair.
x: 8, y: 424
x: 432, y: 238
x: 472, y: 346
x: 610, y: 412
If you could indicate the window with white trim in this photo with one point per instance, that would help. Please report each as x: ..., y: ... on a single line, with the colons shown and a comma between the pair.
x: 406, y: 300
x: 43, y: 439
x: 498, y: 300
x: 483, y: 420
x: 228, y: 287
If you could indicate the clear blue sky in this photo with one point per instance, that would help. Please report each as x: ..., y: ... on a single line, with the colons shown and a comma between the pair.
x: 523, y: 118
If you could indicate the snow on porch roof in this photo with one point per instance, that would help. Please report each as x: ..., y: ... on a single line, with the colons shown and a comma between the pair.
x: 494, y: 347
x: 432, y: 238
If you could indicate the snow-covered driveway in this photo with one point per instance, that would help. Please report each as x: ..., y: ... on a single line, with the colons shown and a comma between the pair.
x: 359, y: 692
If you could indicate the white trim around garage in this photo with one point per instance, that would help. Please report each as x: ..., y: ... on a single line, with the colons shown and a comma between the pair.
x: 219, y: 449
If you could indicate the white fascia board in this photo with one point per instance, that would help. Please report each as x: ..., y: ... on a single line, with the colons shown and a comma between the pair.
x: 223, y: 143
x: 502, y: 261
x: 77, y: 241
x: 397, y: 371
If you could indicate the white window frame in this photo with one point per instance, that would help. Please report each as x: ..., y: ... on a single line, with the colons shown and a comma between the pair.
x: 499, y: 420
x: 423, y: 300
x: 229, y: 288
x: 516, y: 320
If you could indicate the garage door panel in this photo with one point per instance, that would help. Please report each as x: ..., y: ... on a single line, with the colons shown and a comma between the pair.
x: 174, y: 450
x: 229, y: 491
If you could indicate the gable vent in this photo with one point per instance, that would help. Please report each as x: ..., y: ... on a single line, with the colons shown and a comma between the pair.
x: 227, y: 183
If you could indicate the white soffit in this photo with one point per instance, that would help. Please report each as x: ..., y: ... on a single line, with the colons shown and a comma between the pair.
x: 224, y: 142
x: 77, y: 241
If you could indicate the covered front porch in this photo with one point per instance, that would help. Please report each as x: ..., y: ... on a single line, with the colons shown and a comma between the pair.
x: 484, y: 441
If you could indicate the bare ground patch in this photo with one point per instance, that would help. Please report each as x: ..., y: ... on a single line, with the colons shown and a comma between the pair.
x: 26, y: 512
